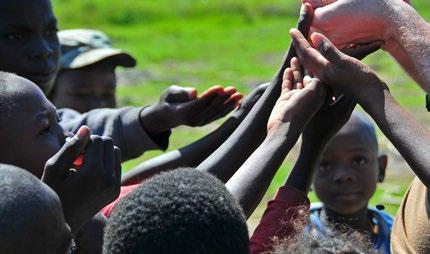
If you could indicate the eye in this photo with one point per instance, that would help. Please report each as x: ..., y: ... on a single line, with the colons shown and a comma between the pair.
x: 324, y: 166
x: 46, y: 130
x: 359, y: 161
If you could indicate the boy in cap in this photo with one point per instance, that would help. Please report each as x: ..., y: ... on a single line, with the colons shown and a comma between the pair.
x: 87, y: 79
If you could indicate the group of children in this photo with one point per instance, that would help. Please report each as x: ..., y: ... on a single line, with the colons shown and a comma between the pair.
x: 64, y: 142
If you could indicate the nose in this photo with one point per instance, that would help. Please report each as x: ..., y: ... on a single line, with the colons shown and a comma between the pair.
x: 41, y: 48
x: 343, y: 175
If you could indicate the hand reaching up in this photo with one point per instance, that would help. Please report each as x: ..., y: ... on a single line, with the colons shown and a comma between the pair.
x: 84, y: 189
x: 300, y: 98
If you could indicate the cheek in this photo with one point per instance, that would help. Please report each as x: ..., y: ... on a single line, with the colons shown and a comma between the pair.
x: 12, y: 51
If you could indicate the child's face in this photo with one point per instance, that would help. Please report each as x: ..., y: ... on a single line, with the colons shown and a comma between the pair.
x: 31, y: 134
x: 86, y: 89
x: 29, y: 45
x: 349, y: 171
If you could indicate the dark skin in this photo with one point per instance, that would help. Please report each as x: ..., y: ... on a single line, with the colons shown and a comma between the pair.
x: 86, y: 88
x: 408, y: 136
x: 42, y: 150
x: 29, y: 37
x: 193, y: 154
x: 348, y: 173
x: 39, y: 221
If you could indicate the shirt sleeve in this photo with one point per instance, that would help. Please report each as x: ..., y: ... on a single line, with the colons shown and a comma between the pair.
x: 278, y: 221
x: 122, y: 125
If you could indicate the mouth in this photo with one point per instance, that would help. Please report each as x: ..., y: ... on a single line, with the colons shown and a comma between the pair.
x: 348, y: 196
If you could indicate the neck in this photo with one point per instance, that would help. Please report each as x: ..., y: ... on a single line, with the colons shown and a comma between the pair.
x: 358, y: 221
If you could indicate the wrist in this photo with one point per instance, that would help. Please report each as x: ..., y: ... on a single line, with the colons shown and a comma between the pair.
x: 155, y: 120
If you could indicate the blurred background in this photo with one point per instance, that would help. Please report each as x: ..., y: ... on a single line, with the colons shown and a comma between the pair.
x: 239, y: 43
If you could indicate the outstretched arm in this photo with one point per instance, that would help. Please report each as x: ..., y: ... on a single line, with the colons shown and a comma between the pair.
x: 300, y: 99
x: 225, y: 161
x: 192, y: 155
x: 340, y: 71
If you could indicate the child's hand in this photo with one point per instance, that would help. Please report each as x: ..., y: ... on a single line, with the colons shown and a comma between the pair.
x: 343, y: 73
x: 181, y: 106
x: 94, y: 184
x: 300, y: 98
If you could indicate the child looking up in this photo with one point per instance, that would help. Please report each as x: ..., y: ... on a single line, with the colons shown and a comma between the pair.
x: 346, y: 179
x: 86, y: 79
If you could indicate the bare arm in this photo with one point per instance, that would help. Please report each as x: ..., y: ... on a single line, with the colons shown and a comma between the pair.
x: 192, y: 155
x: 225, y: 161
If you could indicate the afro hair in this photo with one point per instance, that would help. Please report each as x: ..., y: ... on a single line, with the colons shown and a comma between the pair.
x: 183, y: 211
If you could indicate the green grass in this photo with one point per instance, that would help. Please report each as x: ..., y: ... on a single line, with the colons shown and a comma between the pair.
x: 202, y: 43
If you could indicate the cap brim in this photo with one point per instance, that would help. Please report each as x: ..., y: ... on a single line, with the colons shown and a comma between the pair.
x: 118, y: 57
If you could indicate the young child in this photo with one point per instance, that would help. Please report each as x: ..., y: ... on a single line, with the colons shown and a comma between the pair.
x: 346, y: 179
x: 87, y: 79
x: 31, y: 215
x: 184, y: 211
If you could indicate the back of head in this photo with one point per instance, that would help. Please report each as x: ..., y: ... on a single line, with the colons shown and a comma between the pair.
x: 182, y: 211
x: 30, y: 216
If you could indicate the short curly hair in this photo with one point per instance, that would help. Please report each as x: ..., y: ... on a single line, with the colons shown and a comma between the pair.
x: 181, y: 211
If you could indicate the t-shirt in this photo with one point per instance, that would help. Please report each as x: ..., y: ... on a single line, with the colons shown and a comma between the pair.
x: 278, y: 221
x: 125, y: 190
x: 411, y: 229
x: 380, y: 218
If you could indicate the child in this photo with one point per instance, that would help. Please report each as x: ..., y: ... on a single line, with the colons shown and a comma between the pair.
x: 182, y: 211
x: 31, y: 216
x: 86, y: 79
x: 33, y: 140
x: 346, y: 179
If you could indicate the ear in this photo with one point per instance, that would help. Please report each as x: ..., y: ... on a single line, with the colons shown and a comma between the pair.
x: 382, y: 166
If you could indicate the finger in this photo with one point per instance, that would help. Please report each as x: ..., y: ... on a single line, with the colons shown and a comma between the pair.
x: 234, y: 99
x: 215, y: 90
x: 309, y: 57
x: 326, y: 48
x: 179, y: 94
x: 230, y: 90
x: 108, y: 160
x: 117, y: 166
x: 93, y: 158
x: 60, y: 164
x: 361, y: 51
x: 297, y: 73
x: 219, y: 108
x: 288, y: 83
x: 319, y: 3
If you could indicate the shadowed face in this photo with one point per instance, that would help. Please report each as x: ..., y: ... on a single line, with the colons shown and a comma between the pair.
x: 29, y: 45
x: 350, y: 169
x: 30, y: 134
x: 86, y: 89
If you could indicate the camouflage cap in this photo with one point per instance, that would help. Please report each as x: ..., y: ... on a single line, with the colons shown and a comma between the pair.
x: 83, y: 47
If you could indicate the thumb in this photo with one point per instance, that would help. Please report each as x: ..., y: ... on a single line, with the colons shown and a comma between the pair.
x: 326, y: 48
x: 59, y: 165
x: 179, y: 94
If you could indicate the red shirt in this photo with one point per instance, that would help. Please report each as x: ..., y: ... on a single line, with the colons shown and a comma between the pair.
x: 125, y: 190
x: 279, y: 219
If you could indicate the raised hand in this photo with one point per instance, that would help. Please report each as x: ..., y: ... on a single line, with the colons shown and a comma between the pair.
x: 300, y: 98
x: 249, y: 101
x: 84, y: 189
x: 181, y: 106
x: 343, y: 73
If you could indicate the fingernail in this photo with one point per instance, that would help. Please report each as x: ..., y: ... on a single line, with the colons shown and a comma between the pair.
x: 83, y: 132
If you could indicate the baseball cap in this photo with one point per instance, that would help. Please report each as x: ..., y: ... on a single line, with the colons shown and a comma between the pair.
x: 84, y: 47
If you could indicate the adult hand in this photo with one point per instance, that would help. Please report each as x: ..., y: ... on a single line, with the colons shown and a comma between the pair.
x: 347, y: 22
x: 84, y: 189
x: 181, y: 106
x: 343, y: 73
x: 300, y: 98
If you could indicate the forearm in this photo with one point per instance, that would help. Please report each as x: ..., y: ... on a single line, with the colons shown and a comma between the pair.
x: 249, y: 184
x: 409, y: 137
x: 189, y: 156
x: 301, y: 176
x: 410, y: 42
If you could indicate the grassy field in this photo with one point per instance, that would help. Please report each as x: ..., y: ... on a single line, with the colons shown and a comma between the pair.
x: 202, y: 43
